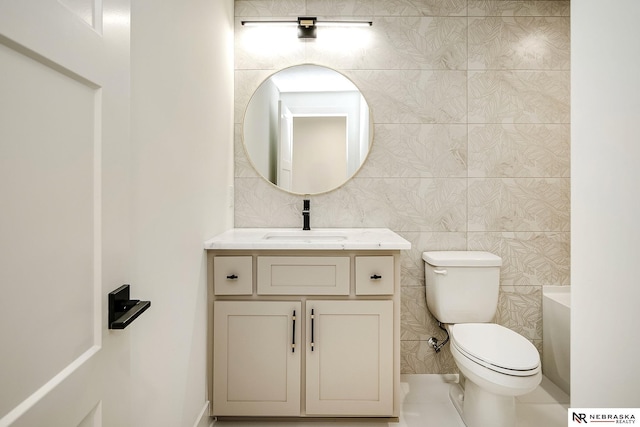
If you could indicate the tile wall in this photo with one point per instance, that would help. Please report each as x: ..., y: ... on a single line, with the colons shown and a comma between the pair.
x: 470, y: 101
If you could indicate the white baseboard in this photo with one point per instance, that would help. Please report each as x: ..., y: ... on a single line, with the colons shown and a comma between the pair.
x: 204, y: 420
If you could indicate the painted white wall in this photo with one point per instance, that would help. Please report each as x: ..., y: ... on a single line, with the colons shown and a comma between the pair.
x: 262, y: 135
x: 182, y: 138
x: 319, y: 153
x: 605, y: 220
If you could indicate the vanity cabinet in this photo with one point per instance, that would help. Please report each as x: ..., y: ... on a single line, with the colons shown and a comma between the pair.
x: 348, y: 353
x: 304, y: 333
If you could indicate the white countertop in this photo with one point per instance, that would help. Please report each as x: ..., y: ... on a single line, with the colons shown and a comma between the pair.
x: 315, y: 239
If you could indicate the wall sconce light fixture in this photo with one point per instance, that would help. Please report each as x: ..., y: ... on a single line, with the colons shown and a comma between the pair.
x: 308, y: 25
x: 307, y: 28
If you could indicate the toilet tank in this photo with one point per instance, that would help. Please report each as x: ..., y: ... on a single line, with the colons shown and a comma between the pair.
x: 462, y: 286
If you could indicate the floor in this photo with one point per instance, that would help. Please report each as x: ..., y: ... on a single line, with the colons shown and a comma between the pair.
x: 425, y: 403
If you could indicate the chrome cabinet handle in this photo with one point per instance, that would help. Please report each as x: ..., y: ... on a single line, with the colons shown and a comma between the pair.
x: 312, y: 327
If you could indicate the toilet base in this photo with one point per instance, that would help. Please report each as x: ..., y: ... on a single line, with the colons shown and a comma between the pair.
x: 456, y: 394
x: 480, y: 408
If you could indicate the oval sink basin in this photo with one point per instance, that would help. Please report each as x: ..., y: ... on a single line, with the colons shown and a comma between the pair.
x: 305, y: 236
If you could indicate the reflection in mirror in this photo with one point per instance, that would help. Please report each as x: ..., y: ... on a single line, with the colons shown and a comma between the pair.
x: 307, y: 129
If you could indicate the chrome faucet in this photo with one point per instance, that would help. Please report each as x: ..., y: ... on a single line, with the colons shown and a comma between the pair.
x: 305, y: 214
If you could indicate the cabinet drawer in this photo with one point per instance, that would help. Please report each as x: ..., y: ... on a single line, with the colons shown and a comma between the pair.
x: 374, y: 275
x: 303, y: 275
x: 232, y: 275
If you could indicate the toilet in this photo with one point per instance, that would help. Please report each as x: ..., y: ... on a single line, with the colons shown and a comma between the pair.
x: 496, y: 363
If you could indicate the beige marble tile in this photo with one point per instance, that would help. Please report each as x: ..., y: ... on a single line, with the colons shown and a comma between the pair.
x: 414, y: 96
x: 269, y: 8
x: 399, y: 204
x: 420, y: 8
x: 528, y: 258
x: 242, y: 166
x: 519, y: 204
x: 339, y: 8
x: 411, y: 204
x: 519, y: 8
x: 519, y: 43
x: 394, y: 43
x: 520, y: 309
x: 259, y: 204
x: 519, y: 150
x: 519, y: 97
x: 418, y: 357
x: 358, y: 47
x: 417, y: 150
x: 419, y: 42
x: 416, y: 321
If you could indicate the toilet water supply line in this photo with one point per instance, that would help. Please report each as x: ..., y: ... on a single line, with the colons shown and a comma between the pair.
x: 433, y: 341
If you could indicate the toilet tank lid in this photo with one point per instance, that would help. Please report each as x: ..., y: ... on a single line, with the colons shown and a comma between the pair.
x: 462, y: 259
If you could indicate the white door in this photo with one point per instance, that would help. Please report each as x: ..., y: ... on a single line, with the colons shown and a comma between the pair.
x: 256, y: 358
x: 285, y: 147
x: 350, y: 358
x: 64, y: 167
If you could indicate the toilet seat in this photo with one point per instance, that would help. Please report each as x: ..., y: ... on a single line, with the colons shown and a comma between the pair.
x: 496, y: 347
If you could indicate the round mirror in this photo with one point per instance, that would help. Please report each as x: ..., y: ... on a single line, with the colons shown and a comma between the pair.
x: 307, y: 129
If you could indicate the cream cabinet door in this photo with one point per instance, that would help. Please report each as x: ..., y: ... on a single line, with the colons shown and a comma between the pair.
x: 256, y: 358
x: 349, y: 358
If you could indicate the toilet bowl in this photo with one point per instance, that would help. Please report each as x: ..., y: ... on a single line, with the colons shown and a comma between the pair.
x: 498, y: 365
x: 496, y: 358
x: 496, y: 362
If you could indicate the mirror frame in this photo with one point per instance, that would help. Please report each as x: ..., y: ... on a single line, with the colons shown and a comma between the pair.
x: 370, y: 127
